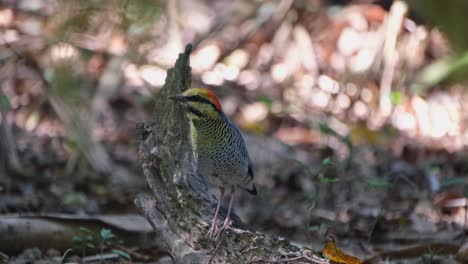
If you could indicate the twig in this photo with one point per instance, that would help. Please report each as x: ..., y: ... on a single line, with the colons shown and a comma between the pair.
x: 220, y: 241
x: 272, y: 20
x: 394, y: 22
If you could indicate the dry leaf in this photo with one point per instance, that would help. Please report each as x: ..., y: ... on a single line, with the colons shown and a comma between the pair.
x: 335, y: 254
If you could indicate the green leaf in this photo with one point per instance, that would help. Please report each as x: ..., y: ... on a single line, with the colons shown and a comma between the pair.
x: 5, y: 102
x: 266, y: 100
x: 314, y: 228
x: 347, y: 141
x: 326, y: 162
x: 326, y: 180
x: 77, y: 239
x: 439, y: 71
x: 90, y: 245
x: 318, y: 228
x: 378, y: 183
x: 396, y: 97
x: 84, y: 229
x: 106, y: 234
x: 122, y: 253
x: 324, y: 128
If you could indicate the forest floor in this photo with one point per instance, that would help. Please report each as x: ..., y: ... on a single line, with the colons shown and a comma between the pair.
x: 341, y: 144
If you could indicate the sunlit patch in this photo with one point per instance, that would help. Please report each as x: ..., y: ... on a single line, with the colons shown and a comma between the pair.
x: 9, y: 36
x: 366, y: 95
x: 212, y: 78
x: 350, y: 41
x: 304, y: 87
x: 205, y: 58
x: 297, y: 135
x: 439, y: 120
x: 6, y: 17
x: 132, y: 75
x: 63, y: 52
x: 358, y: 21
x: 198, y: 21
x: 308, y: 81
x: 239, y: 59
x: 320, y: 99
x: 342, y: 101
x: 166, y: 55
x: 362, y: 61
x: 229, y: 73
x: 422, y: 115
x: 338, y: 126
x: 338, y: 62
x: 265, y: 54
x: 279, y: 72
x: 32, y: 121
x: 229, y: 104
x: 255, y: 112
x: 31, y: 26
x: 153, y: 75
x: 250, y: 79
x: 117, y: 45
x: 351, y: 89
x: 328, y: 84
x: 360, y: 109
x: 403, y: 120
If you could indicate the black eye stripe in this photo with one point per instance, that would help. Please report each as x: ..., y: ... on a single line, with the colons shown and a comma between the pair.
x: 199, y: 99
x: 195, y: 111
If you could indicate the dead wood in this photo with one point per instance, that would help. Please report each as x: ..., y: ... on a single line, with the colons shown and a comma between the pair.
x: 18, y: 232
x: 179, y: 208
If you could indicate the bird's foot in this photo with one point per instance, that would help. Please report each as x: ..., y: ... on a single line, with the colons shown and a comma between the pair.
x: 227, y: 223
x: 213, y: 230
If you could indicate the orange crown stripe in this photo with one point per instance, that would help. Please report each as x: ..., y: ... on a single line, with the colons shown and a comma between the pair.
x: 214, y: 99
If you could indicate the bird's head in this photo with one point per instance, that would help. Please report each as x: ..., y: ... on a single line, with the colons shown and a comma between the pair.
x: 199, y: 103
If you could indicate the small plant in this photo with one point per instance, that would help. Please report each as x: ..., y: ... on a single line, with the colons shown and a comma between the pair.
x: 99, y: 242
x: 378, y: 183
x: 328, y: 163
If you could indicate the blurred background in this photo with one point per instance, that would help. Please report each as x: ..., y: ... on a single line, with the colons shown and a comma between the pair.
x: 355, y: 114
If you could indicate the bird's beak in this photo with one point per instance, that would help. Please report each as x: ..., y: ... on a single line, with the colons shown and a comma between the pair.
x: 178, y: 98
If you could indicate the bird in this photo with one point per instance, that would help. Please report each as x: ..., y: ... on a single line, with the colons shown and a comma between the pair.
x: 219, y: 149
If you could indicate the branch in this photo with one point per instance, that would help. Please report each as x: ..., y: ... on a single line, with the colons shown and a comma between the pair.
x: 179, y: 207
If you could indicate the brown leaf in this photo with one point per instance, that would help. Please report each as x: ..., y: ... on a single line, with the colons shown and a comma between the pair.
x: 335, y: 254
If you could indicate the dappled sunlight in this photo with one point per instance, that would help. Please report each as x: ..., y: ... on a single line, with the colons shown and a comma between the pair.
x: 205, y: 58
x: 6, y: 17
x: 153, y: 75
x: 354, y: 112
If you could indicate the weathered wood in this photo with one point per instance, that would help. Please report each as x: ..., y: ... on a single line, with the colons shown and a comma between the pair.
x: 180, y: 208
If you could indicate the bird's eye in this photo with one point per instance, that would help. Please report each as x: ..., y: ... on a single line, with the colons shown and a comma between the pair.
x: 197, y: 98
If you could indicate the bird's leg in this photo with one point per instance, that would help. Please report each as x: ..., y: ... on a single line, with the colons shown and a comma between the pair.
x: 214, y: 228
x: 227, y: 221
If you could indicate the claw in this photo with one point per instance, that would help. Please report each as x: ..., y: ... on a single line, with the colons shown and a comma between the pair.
x: 213, y: 231
x: 227, y: 223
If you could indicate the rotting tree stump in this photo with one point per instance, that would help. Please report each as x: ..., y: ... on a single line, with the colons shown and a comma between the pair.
x: 180, y: 208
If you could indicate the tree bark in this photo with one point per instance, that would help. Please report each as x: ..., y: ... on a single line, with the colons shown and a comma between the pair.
x: 179, y: 208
